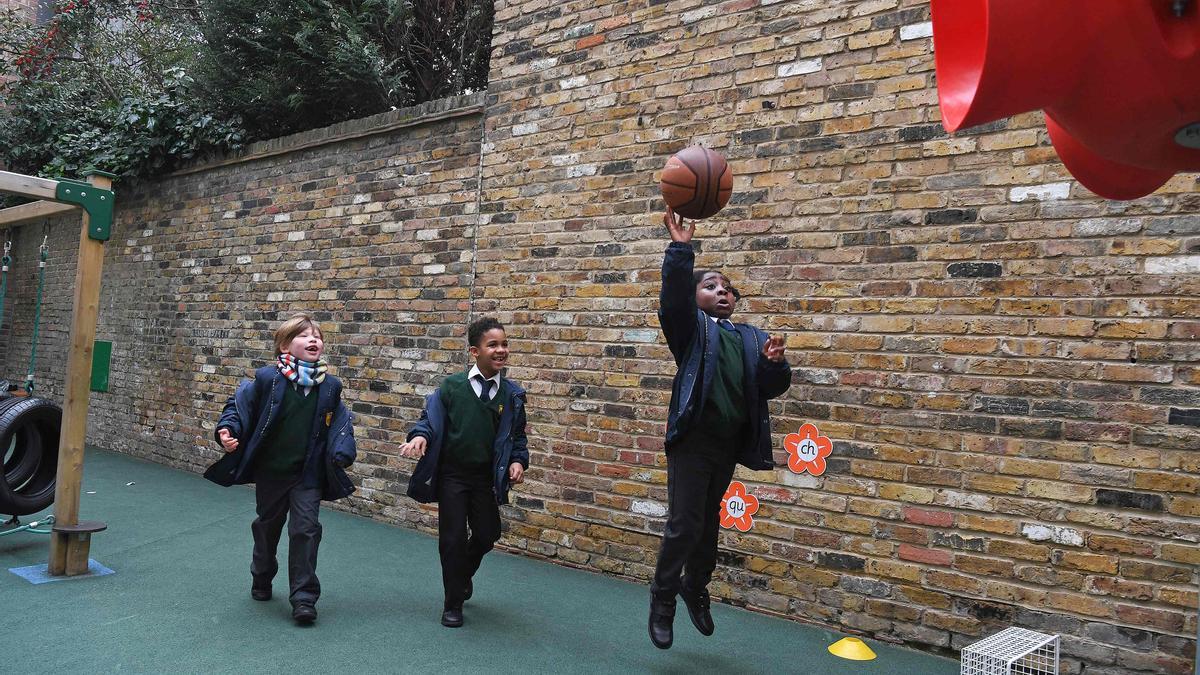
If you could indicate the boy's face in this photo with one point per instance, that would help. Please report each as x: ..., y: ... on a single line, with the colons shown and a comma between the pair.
x: 491, y: 354
x: 715, y: 296
x: 307, y: 346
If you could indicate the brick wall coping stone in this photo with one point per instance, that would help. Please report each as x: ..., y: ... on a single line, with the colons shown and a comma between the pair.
x: 425, y: 113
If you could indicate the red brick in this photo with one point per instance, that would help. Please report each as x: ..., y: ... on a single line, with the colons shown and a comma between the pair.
x: 924, y: 555
x: 589, y: 41
x: 927, y: 517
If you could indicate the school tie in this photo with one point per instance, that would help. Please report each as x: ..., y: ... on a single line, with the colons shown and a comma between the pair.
x: 485, y: 386
x: 726, y: 324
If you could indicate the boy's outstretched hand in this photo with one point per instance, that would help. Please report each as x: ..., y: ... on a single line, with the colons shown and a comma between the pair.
x: 227, y: 440
x: 773, y: 348
x: 414, y: 448
x: 516, y: 473
x: 679, y: 232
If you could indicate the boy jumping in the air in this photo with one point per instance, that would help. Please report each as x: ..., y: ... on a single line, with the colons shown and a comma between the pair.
x: 718, y: 419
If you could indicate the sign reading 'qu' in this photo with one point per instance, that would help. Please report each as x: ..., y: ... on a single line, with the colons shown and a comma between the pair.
x: 738, y: 508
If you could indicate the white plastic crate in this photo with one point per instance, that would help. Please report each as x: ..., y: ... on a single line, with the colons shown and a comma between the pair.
x: 1012, y: 651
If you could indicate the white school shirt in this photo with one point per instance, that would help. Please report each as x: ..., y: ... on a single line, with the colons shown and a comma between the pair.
x: 477, y: 387
x: 728, y: 325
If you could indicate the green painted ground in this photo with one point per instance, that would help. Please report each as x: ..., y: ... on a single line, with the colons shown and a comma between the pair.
x: 179, y: 603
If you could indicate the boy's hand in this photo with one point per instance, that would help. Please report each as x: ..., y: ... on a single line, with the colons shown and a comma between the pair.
x: 773, y: 348
x: 516, y: 473
x: 679, y: 232
x: 414, y: 449
x: 227, y: 440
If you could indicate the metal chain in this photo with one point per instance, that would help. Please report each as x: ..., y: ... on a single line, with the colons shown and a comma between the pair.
x: 37, y: 313
x: 5, y: 261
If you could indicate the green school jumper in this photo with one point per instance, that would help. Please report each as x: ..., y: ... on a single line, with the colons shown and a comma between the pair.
x: 724, y: 414
x: 470, y: 423
x: 282, y: 453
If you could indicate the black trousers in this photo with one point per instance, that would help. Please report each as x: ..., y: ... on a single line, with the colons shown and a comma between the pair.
x: 464, y: 498
x: 698, y: 473
x: 286, y: 500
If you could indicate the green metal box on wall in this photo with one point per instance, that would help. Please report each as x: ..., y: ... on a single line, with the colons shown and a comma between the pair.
x: 101, y: 360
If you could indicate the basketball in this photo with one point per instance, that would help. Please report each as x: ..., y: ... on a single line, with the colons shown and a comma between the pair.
x: 696, y: 182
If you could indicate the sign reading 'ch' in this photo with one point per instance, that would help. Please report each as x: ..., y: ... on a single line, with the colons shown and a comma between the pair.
x: 807, y: 450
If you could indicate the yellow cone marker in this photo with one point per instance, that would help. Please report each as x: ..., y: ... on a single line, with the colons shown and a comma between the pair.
x: 852, y: 648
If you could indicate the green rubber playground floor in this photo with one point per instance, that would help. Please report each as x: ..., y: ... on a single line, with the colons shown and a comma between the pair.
x: 179, y: 602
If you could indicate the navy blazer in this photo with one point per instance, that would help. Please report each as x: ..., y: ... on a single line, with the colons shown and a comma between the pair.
x: 248, y: 416
x: 694, y: 342
x: 511, y: 445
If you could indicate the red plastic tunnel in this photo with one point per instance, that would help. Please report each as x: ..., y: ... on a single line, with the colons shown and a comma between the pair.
x: 1119, y: 81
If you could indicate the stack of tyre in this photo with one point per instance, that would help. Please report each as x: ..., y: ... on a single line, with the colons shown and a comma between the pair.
x: 29, y: 445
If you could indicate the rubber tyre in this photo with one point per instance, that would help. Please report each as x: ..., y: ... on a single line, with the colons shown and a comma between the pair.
x: 26, y: 455
x: 19, y: 459
x: 26, y: 451
x: 45, y: 418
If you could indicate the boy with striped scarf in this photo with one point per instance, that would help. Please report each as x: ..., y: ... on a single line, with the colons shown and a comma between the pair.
x: 288, y: 432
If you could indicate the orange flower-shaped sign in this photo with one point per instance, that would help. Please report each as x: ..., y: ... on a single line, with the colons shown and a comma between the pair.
x: 737, y: 507
x: 807, y: 450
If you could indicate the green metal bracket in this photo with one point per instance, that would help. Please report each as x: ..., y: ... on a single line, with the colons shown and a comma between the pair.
x: 98, y: 203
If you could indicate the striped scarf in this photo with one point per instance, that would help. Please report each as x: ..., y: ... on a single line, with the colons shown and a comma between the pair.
x: 303, y: 373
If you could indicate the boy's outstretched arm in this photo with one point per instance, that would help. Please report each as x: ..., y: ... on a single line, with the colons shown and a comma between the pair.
x: 775, y: 375
x: 414, y: 448
x: 419, y: 437
x: 230, y: 425
x: 677, y: 299
x: 227, y: 440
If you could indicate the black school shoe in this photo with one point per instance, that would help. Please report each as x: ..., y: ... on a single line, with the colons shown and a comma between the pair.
x: 260, y: 593
x: 662, y: 618
x: 304, y: 613
x: 452, y: 617
x: 698, y: 604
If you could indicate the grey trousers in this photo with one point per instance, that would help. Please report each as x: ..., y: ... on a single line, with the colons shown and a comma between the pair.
x: 285, y: 500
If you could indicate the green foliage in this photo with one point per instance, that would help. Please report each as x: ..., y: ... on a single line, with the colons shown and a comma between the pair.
x: 288, y: 65
x: 136, y: 87
x: 60, y: 128
x: 104, y: 84
x: 292, y: 65
x: 447, y: 46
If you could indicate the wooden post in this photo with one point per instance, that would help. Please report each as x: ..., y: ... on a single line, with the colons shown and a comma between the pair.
x: 75, y: 400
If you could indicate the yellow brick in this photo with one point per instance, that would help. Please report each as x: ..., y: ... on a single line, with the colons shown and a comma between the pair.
x: 907, y: 493
x: 869, y: 40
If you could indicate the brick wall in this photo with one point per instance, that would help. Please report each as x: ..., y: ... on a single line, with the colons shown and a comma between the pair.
x: 27, y: 9
x: 1007, y: 364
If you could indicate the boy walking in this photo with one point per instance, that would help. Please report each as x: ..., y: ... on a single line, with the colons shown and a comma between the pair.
x: 718, y: 418
x: 288, y: 432
x: 472, y: 447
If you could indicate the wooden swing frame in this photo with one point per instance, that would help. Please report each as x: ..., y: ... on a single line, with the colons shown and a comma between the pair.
x: 70, y: 539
